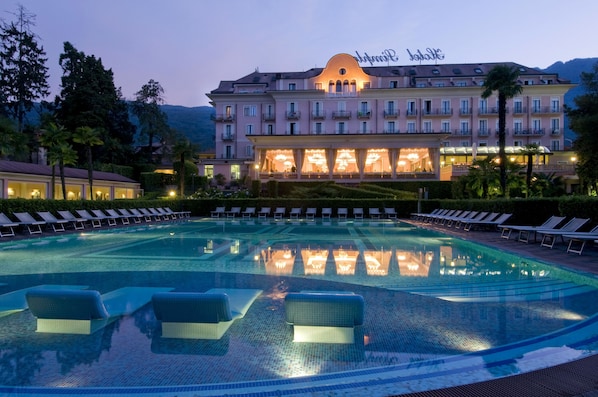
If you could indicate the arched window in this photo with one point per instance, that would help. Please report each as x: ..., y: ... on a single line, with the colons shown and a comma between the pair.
x: 331, y: 86
x: 339, y: 86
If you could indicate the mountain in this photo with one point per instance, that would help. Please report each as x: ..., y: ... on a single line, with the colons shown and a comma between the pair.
x: 195, y: 123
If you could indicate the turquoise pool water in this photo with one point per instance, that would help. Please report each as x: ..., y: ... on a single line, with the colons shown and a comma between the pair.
x: 434, y: 304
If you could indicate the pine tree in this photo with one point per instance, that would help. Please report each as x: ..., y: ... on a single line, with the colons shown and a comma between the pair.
x: 24, y: 75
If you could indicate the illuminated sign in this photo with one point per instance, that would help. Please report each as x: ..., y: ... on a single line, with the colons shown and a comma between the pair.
x: 390, y: 55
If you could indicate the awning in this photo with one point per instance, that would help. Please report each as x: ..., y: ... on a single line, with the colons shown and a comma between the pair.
x: 487, y: 150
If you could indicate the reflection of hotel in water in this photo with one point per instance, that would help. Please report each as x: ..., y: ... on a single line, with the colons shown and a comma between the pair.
x: 344, y: 261
x: 349, y: 123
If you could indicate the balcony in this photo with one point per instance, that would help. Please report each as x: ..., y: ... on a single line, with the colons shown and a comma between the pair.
x: 529, y: 132
x: 320, y: 115
x: 269, y: 117
x: 484, y: 132
x: 411, y: 113
x: 293, y: 115
x: 224, y: 118
x: 546, y: 109
x: 555, y: 132
x: 437, y: 112
x: 488, y: 111
x: 465, y: 112
x: 391, y: 131
x: 364, y: 115
x: 363, y: 131
x: 519, y: 110
x: 462, y: 132
x: 391, y: 114
x: 227, y: 137
x: 341, y: 114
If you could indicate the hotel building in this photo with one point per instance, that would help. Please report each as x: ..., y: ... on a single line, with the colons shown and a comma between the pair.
x: 349, y: 123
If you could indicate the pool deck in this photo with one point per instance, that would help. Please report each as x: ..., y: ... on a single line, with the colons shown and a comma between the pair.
x: 577, y: 378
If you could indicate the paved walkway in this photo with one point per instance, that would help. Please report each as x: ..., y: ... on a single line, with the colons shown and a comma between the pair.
x: 575, y: 379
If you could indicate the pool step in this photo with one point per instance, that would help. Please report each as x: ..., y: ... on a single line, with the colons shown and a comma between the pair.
x: 512, y: 291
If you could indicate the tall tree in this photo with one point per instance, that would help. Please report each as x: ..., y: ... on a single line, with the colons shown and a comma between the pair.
x: 530, y: 150
x: 89, y: 98
x: 183, y: 149
x: 503, y: 80
x: 152, y: 120
x: 88, y: 137
x: 23, y: 70
x: 11, y: 141
x: 583, y: 119
x: 54, y: 137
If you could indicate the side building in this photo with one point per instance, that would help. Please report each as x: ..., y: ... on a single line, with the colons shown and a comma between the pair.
x: 349, y: 123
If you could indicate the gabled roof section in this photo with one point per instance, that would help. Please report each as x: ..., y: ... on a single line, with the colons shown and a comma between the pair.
x: 37, y: 169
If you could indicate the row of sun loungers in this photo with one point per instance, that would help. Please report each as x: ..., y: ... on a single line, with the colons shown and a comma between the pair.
x: 324, y: 317
x: 297, y: 213
x: 82, y: 218
x: 465, y: 219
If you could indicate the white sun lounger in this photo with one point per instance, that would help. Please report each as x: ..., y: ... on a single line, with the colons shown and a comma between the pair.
x: 15, y: 301
x: 194, y: 315
x: 71, y: 311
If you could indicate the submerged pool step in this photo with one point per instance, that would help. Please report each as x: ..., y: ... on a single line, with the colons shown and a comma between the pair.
x: 523, y: 290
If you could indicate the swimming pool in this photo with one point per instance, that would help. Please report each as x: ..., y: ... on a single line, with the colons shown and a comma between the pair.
x: 439, y: 311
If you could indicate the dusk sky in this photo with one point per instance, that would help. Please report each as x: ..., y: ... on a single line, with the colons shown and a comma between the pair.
x: 189, y: 46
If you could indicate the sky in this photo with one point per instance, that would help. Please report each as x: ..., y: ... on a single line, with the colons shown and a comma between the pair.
x: 189, y: 46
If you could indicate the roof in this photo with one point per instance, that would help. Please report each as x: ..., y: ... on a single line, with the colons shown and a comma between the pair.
x: 38, y: 169
x: 455, y: 70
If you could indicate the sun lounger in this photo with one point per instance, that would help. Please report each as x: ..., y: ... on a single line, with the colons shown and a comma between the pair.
x: 158, y: 216
x: 326, y: 213
x: 358, y: 213
x: 110, y: 220
x: 7, y: 226
x: 311, y: 213
x: 124, y: 219
x: 234, y: 211
x: 129, y: 215
x: 390, y: 213
x: 192, y: 315
x: 491, y: 221
x: 33, y: 226
x: 526, y: 230
x: 15, y: 301
x: 50, y: 219
x: 219, y: 211
x: 264, y: 213
x: 179, y: 214
x: 342, y: 213
x: 147, y: 217
x: 578, y: 240
x: 374, y: 213
x: 78, y: 223
x: 549, y: 236
x: 147, y: 214
x: 94, y: 220
x: 166, y: 215
x: 295, y: 213
x: 473, y: 216
x: 448, y: 221
x: 71, y: 311
x: 248, y: 213
x: 324, y: 317
x: 280, y: 212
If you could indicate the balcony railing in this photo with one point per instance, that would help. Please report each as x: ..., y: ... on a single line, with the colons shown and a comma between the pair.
x: 529, y: 132
x: 391, y: 114
x: 484, y: 132
x: 227, y: 137
x: 487, y: 111
x: 411, y: 113
x: 269, y: 117
x: 293, y: 115
x: 546, y: 109
x: 363, y: 131
x: 437, y: 112
x: 364, y: 115
x: 318, y: 115
x: 462, y: 132
x: 465, y: 112
x: 341, y: 114
x: 224, y: 118
x: 519, y: 110
x: 555, y: 132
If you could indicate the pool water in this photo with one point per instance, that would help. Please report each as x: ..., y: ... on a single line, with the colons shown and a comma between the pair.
x: 429, y: 298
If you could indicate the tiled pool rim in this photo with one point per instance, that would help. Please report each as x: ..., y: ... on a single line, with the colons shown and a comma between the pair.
x: 381, y: 381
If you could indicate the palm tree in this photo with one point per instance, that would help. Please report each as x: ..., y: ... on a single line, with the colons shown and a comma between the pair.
x: 530, y: 150
x: 482, y: 176
x: 53, y: 136
x: 88, y: 137
x: 62, y: 154
x: 182, y: 149
x: 503, y: 79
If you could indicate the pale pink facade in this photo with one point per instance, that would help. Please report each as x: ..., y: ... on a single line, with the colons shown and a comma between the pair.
x: 348, y: 123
